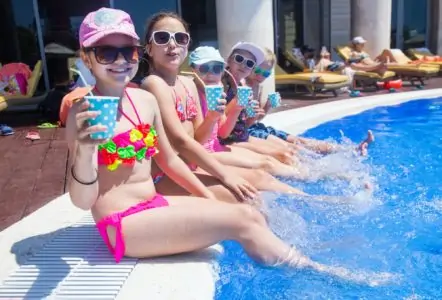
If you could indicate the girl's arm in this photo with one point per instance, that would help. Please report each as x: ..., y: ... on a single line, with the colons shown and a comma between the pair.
x: 204, y: 124
x: 204, y: 129
x: 170, y: 163
x: 228, y: 123
x: 180, y: 139
x: 82, y: 163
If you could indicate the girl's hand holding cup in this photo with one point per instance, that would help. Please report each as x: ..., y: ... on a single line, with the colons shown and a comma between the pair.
x: 253, y: 109
x: 274, y: 99
x: 216, y: 104
x: 96, y: 119
x: 244, y: 94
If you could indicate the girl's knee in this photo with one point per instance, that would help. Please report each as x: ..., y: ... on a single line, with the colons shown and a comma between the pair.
x: 249, y: 216
x: 261, y: 178
x: 267, y: 163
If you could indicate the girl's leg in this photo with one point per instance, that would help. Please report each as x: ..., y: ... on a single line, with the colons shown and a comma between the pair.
x: 261, y: 146
x: 318, y: 146
x: 245, y: 158
x: 168, y: 187
x: 190, y: 224
x: 277, y: 140
x: 323, y: 147
x: 263, y: 181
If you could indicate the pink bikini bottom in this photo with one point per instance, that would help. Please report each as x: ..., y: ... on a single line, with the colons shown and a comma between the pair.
x: 115, y: 221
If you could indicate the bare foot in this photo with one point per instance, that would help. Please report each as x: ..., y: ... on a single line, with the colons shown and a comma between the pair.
x: 368, y: 186
x: 295, y: 259
x: 363, y: 146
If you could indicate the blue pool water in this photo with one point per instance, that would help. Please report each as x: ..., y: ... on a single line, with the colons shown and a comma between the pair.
x: 396, y: 230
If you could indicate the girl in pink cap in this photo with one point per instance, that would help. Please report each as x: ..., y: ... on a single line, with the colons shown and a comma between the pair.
x: 133, y: 219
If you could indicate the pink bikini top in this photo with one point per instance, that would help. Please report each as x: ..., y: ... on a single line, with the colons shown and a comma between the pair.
x: 190, y: 112
x: 127, y: 147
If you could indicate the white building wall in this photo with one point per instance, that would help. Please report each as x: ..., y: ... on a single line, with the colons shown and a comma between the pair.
x: 245, y: 20
x: 372, y: 20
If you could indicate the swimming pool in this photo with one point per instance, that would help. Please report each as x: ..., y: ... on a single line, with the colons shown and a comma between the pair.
x: 396, y: 230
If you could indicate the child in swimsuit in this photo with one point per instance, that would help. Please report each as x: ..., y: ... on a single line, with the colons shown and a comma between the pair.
x: 243, y: 58
x: 259, y: 130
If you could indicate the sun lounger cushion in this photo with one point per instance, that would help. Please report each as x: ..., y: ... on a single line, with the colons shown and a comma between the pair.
x: 306, y: 77
x: 376, y: 76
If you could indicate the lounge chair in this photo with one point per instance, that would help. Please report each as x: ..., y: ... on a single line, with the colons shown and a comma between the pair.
x: 404, y: 60
x: 405, y: 69
x: 324, y: 81
x: 361, y: 78
x: 13, y: 101
x: 425, y: 55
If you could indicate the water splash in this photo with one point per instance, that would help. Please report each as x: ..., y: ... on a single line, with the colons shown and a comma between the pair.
x: 395, y: 230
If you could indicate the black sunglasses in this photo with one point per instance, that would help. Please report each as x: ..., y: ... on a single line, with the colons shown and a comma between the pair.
x: 239, y: 59
x: 162, y: 37
x: 214, y: 68
x: 107, y: 55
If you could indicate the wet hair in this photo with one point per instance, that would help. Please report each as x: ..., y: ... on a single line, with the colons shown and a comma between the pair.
x: 269, y: 56
x: 146, y: 62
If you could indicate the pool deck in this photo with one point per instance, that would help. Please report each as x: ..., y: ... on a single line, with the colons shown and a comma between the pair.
x: 34, y: 176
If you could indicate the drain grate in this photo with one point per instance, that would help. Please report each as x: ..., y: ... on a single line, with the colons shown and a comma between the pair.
x: 76, y: 264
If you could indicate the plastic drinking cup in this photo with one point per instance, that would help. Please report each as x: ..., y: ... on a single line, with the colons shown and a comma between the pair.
x: 243, y: 95
x: 213, y: 94
x: 250, y: 110
x: 108, y: 108
x: 274, y: 99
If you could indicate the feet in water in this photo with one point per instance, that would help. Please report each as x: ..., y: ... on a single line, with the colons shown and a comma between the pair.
x: 296, y: 259
x: 363, y: 146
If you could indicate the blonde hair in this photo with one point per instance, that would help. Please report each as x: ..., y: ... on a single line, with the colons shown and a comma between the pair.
x: 269, y: 56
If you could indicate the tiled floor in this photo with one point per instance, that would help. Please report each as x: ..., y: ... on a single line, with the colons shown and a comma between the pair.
x: 33, y: 173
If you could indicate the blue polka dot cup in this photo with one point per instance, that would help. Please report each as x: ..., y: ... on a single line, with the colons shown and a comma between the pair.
x: 108, y: 108
x: 275, y: 99
x: 250, y: 110
x: 213, y: 95
x: 243, y: 95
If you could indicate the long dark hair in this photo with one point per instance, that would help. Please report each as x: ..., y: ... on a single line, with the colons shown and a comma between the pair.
x: 150, y: 24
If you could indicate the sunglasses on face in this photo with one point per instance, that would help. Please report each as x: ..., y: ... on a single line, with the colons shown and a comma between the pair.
x: 214, y: 68
x: 239, y: 59
x: 107, y: 55
x: 162, y: 38
x: 262, y: 72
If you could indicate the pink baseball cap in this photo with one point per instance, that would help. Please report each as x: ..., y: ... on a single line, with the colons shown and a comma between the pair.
x: 105, y: 21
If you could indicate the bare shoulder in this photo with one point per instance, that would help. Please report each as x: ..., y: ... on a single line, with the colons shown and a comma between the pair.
x: 145, y: 102
x: 187, y: 80
x: 152, y: 81
x: 141, y: 94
